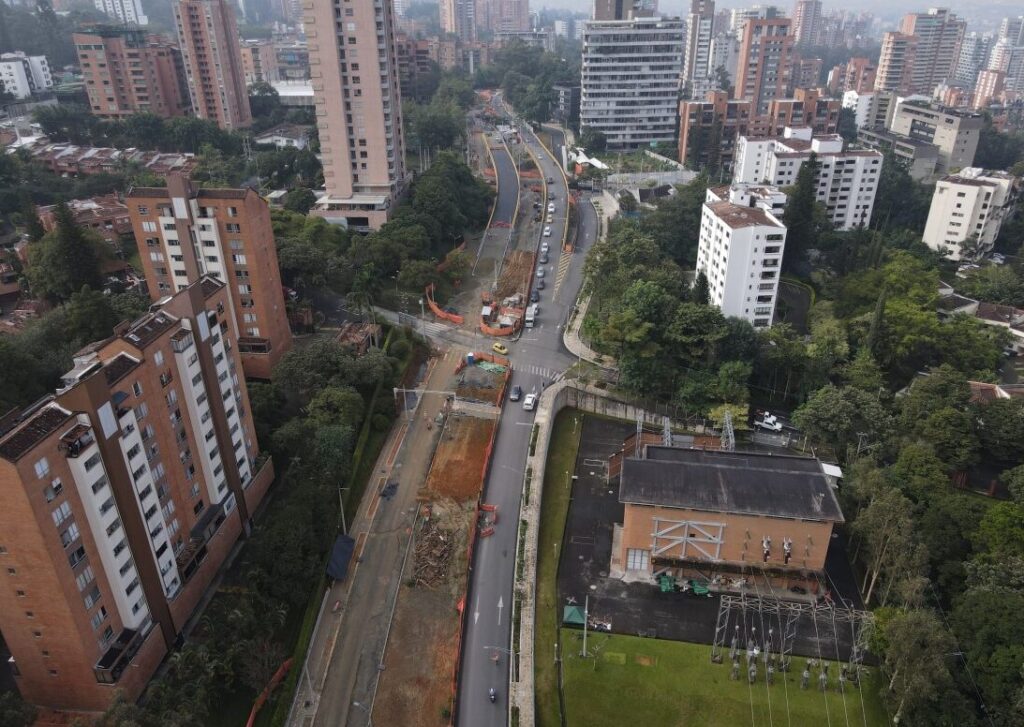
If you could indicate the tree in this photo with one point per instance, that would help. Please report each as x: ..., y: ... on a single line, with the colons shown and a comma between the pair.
x: 801, y: 217
x: 864, y: 373
x: 890, y: 551
x: 847, y: 125
x: 15, y: 712
x: 65, y: 260
x: 701, y: 293
x: 592, y: 140
x: 336, y: 405
x: 1001, y: 428
x: 90, y: 317
x: 33, y: 225
x: 300, y: 200
x: 264, y: 101
x: 843, y: 418
x: 915, y: 662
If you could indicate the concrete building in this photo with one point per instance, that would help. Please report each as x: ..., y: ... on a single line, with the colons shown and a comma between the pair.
x: 562, y: 28
x: 708, y: 129
x: 919, y: 157
x: 765, y: 61
x: 567, y: 105
x: 967, y: 210
x: 285, y: 136
x: 123, y: 495
x: 739, y: 16
x: 988, y: 89
x: 857, y: 74
x: 871, y: 109
x: 259, y: 61
x: 696, y: 512
x: 232, y: 241
x: 846, y: 180
x: 23, y: 75
x: 458, y: 18
x: 1008, y: 54
x: 740, y: 253
x: 129, y: 12
x: 501, y: 16
x: 975, y: 51
x: 630, y: 80
x: 938, y: 33
x: 954, y: 131
x: 292, y: 60
x: 807, y: 22
x: 208, y: 38
x: 896, y: 63
x: 697, y: 68
x: 624, y: 9
x: 806, y: 73
x: 127, y: 71
x: 724, y: 54
x: 107, y: 216
x: 358, y: 110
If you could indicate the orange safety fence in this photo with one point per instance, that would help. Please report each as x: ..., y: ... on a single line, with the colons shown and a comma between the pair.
x: 265, y: 694
x: 443, y: 265
x: 493, y: 331
x: 436, y: 310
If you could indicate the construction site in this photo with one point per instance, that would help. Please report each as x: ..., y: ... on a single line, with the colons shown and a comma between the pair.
x: 421, y: 661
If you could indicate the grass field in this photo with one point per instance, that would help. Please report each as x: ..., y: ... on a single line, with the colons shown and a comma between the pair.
x: 649, y: 682
x: 565, y: 440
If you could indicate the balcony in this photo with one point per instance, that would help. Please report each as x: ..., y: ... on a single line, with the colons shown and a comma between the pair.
x: 119, y: 655
x: 76, y: 440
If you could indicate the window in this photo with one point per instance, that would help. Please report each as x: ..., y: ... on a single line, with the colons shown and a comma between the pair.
x: 137, y: 389
x: 77, y: 556
x: 233, y: 227
x: 99, y: 617
x: 70, y: 535
x: 52, y: 490
x: 61, y: 514
x: 92, y: 597
x: 12, y: 572
x: 84, y: 578
x: 637, y: 559
x: 20, y: 593
x: 42, y: 467
x: 158, y: 358
x: 92, y: 462
x: 148, y: 226
x: 143, y: 210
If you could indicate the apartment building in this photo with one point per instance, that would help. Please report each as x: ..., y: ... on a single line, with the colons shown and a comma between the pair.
x: 806, y: 73
x: 988, y: 89
x: 871, y: 109
x: 354, y: 71
x: 765, y: 62
x: 975, y: 51
x: 129, y: 12
x: 725, y: 55
x: 918, y: 157
x: 807, y: 22
x: 232, y: 240
x: 23, y: 75
x: 967, y: 210
x: 107, y: 216
x: 630, y: 80
x: 1008, y: 54
x: 123, y: 494
x: 846, y: 179
x: 938, y: 34
x: 697, y: 68
x: 566, y: 108
x: 740, y: 252
x: 259, y: 61
x: 502, y: 16
x: 458, y: 18
x: 857, y: 74
x: 127, y: 71
x: 624, y: 9
x: 716, y: 123
x: 208, y: 38
x: 954, y: 131
x: 896, y: 63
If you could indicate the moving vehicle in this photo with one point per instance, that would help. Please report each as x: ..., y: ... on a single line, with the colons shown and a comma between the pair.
x: 516, y: 393
x: 547, y: 231
x: 549, y: 219
x: 500, y: 348
x: 492, y: 694
x: 530, y: 402
x: 769, y: 422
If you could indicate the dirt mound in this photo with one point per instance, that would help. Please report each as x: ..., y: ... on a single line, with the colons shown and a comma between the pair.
x: 457, y: 469
x: 515, y: 274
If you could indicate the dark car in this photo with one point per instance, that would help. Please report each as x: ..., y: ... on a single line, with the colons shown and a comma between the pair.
x: 534, y: 296
x: 516, y: 393
x: 540, y: 285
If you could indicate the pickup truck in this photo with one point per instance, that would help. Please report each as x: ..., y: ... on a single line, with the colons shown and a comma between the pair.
x: 769, y: 422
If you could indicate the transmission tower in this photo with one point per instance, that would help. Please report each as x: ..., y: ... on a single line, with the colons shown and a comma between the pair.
x: 728, y: 434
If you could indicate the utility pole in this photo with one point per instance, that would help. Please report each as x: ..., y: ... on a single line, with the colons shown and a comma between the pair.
x: 586, y: 618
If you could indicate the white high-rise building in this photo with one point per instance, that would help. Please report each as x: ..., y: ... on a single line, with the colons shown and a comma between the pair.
x: 740, y: 251
x: 739, y: 17
x: 725, y: 53
x: 968, y: 207
x: 846, y: 182
x: 1008, y: 53
x: 630, y: 80
x: 974, y: 56
x: 22, y: 75
x: 127, y: 11
x: 561, y: 28
x: 872, y: 109
x: 697, y: 53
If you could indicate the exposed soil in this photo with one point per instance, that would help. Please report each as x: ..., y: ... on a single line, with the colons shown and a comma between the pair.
x: 515, y: 274
x: 457, y: 468
x: 478, y: 384
x: 416, y: 685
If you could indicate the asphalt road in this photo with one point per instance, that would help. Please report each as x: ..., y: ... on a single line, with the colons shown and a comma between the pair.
x: 536, y: 357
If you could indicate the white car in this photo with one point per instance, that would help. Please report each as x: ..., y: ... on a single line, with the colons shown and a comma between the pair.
x: 551, y: 207
x: 551, y: 218
x: 530, y: 402
x: 547, y: 232
x: 769, y: 422
x: 544, y: 247
x: 540, y: 273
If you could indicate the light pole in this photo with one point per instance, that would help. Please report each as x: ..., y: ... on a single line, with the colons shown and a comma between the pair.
x: 369, y: 715
x: 341, y: 509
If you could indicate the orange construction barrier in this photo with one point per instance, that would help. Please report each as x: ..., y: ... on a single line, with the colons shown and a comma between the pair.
x: 436, y: 310
x: 265, y: 694
x: 487, y: 507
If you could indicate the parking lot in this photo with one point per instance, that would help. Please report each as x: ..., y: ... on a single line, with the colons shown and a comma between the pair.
x: 640, y: 608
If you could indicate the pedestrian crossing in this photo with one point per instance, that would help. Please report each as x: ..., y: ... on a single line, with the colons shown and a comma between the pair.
x: 535, y: 370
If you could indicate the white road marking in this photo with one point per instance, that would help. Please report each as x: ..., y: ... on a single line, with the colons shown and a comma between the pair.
x: 501, y: 605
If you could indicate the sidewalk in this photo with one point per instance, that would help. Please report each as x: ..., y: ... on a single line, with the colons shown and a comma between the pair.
x: 575, y: 344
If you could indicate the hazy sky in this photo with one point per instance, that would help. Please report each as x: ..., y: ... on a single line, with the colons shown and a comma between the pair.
x: 976, y: 13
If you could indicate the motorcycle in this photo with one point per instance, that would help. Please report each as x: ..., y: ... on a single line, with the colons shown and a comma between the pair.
x: 492, y: 695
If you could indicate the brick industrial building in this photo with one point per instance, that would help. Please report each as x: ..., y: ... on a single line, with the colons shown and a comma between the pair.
x: 693, y: 510
x: 123, y: 494
x: 233, y: 241
x: 128, y: 71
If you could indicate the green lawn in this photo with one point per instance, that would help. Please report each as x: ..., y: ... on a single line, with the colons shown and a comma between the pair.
x: 565, y: 440
x: 635, y: 681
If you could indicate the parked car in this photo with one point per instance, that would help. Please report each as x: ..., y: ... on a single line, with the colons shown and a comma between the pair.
x: 544, y: 247
x: 543, y: 258
x: 500, y: 348
x: 547, y: 231
x: 530, y: 402
x: 540, y: 273
x: 549, y: 219
x: 551, y: 207
x: 534, y: 295
x: 540, y: 285
x: 516, y: 393
x: 768, y: 421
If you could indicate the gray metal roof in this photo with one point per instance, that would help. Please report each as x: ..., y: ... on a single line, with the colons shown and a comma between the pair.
x: 730, y: 482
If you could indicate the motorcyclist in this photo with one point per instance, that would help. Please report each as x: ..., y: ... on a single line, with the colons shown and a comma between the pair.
x: 492, y: 694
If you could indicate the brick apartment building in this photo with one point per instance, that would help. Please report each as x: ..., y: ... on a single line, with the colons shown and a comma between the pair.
x: 107, y: 216
x: 123, y: 493
x: 720, y: 121
x: 233, y: 228
x: 127, y: 71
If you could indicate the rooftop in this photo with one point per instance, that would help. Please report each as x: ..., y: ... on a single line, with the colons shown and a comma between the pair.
x: 730, y: 482
x: 117, y: 367
x: 737, y: 217
x: 33, y: 430
x: 149, y: 328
